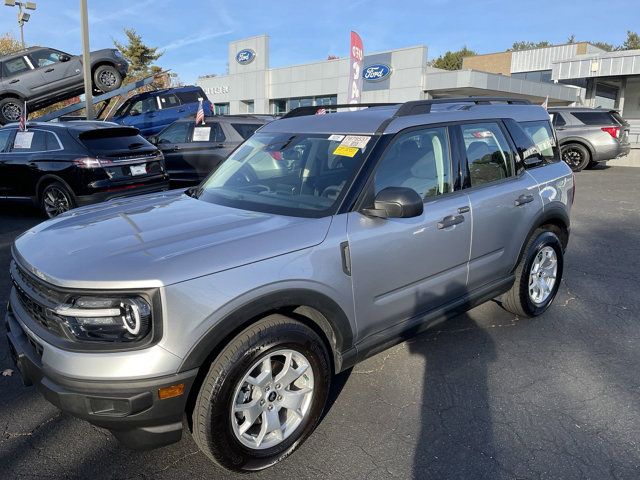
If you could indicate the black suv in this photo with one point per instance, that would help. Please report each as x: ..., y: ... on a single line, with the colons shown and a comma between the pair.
x: 43, y: 76
x: 64, y: 165
x: 192, y: 152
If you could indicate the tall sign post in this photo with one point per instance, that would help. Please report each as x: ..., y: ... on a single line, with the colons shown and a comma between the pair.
x: 86, y: 60
x: 355, y: 69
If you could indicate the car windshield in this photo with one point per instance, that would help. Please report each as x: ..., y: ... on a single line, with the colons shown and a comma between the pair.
x: 292, y: 174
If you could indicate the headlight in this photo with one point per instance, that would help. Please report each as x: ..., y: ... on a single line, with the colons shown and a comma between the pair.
x: 106, y: 319
x: 117, y: 53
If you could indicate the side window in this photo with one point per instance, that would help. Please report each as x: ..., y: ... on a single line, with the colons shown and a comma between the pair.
x: 43, y: 58
x: 14, y: 67
x: 5, y: 135
x: 489, y: 156
x: 215, y: 133
x: 176, y: 133
x: 190, y: 96
x: 143, y: 106
x: 542, y: 136
x: 420, y: 160
x: 169, y: 101
x: 245, y: 129
x: 558, y: 120
x: 35, y: 141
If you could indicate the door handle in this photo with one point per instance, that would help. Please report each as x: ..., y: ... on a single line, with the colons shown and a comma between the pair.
x: 49, y: 70
x: 522, y: 199
x: 181, y: 110
x: 464, y: 209
x: 450, y: 221
x: 15, y: 80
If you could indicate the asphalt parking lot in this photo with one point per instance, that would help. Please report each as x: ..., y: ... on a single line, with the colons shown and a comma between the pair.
x: 484, y: 395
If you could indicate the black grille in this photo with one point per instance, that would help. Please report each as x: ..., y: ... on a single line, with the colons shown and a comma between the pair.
x: 37, y: 298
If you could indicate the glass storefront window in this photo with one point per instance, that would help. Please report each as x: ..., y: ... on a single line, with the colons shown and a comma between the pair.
x: 221, y: 108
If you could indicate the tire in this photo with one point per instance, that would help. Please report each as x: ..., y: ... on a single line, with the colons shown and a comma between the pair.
x: 10, y: 110
x: 216, y: 429
x: 56, y: 199
x: 518, y: 300
x: 576, y: 156
x: 106, y: 78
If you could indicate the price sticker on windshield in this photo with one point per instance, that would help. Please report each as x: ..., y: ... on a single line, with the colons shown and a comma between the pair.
x: 346, y: 151
x: 356, y: 141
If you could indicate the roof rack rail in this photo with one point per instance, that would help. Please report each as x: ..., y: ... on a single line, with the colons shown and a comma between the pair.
x: 313, y: 109
x: 417, y: 107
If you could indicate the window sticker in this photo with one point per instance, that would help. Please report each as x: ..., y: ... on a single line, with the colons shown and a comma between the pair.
x: 346, y: 151
x: 357, y: 141
x: 201, y: 134
x: 336, y: 138
x: 23, y: 140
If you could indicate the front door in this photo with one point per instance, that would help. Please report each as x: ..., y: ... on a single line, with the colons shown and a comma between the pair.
x: 56, y: 74
x: 404, y: 267
x: 503, y: 202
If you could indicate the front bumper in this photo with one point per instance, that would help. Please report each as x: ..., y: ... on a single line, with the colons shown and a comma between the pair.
x: 131, y: 410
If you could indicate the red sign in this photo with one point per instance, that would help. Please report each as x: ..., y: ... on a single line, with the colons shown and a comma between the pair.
x: 355, y: 70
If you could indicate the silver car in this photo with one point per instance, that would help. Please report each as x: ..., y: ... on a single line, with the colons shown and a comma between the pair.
x: 320, y: 241
x: 589, y: 136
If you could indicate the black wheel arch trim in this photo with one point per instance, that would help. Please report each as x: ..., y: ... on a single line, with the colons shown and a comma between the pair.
x: 313, y: 308
x: 52, y: 178
x: 552, y: 214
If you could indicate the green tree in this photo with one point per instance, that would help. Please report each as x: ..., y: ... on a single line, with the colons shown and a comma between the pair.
x: 452, y: 60
x: 9, y: 44
x: 632, y: 42
x: 607, y: 47
x: 524, y: 45
x: 139, y: 55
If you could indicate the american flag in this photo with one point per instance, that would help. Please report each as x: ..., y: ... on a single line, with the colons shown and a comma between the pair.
x: 321, y: 111
x: 200, y: 114
x: 22, y: 126
x: 545, y: 104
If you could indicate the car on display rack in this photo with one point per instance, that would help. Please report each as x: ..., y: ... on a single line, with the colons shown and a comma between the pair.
x: 320, y: 241
x: 42, y: 76
x: 191, y: 152
x: 59, y: 166
x: 589, y: 136
x: 152, y: 111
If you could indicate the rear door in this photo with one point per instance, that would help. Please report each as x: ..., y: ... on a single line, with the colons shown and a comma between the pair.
x: 172, y: 141
x: 208, y: 147
x: 403, y: 268
x: 6, y: 135
x: 504, y: 200
x: 18, y: 74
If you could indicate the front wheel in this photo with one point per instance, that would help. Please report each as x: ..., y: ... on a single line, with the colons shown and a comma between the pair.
x: 263, y: 395
x: 576, y: 156
x: 107, y: 78
x: 538, y: 276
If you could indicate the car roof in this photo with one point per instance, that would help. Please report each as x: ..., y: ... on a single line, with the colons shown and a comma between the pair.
x: 20, y: 52
x: 162, y: 91
x: 392, y: 118
x: 75, y: 125
x: 581, y: 109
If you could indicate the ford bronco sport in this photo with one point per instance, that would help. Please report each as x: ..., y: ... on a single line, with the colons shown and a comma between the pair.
x: 320, y: 241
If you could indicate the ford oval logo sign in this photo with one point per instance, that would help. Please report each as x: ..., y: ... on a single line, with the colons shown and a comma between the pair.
x: 376, y: 72
x: 245, y: 56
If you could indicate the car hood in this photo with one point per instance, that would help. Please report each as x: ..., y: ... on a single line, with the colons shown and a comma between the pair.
x: 156, y: 240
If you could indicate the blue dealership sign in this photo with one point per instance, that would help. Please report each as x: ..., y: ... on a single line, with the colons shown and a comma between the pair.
x: 245, y: 56
x: 376, y: 72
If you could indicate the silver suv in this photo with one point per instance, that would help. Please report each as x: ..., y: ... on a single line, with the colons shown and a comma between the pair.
x: 588, y: 136
x: 322, y: 240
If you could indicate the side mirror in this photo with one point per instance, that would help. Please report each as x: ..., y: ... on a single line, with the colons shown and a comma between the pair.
x: 134, y: 113
x: 396, y: 202
x: 153, y: 139
x: 64, y: 58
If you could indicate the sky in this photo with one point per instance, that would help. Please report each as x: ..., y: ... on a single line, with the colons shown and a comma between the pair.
x: 194, y: 34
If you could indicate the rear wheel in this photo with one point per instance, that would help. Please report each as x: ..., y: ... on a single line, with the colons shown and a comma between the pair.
x: 107, y: 78
x: 263, y: 395
x: 10, y: 110
x: 576, y: 156
x: 56, y: 199
x: 538, y: 276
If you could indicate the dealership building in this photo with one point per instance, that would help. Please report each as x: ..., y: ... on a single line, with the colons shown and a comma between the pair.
x: 577, y: 73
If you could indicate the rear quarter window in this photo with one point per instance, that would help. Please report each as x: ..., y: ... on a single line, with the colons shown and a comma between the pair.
x: 542, y: 136
x: 246, y: 129
x: 191, y: 96
x: 596, y: 118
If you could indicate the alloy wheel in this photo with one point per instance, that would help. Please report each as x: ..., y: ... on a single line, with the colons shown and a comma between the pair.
x: 107, y: 78
x: 542, y: 277
x: 55, y: 202
x: 572, y: 156
x: 11, y: 111
x: 272, y: 399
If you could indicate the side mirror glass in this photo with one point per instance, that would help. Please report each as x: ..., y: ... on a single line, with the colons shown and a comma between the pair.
x: 64, y: 58
x: 396, y: 202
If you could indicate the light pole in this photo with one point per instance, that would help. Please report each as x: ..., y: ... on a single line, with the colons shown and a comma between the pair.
x: 86, y: 60
x: 23, y: 17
